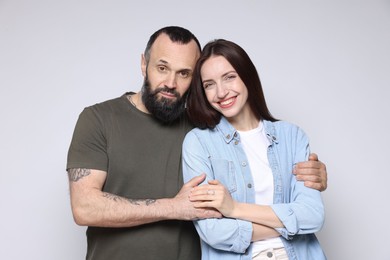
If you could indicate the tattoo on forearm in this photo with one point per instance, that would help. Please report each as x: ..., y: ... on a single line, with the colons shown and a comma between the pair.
x: 149, y: 201
x: 76, y: 174
x: 116, y: 198
x: 112, y: 197
x: 146, y: 202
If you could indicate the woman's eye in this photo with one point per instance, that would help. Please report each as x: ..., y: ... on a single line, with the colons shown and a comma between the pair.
x: 206, y: 85
x: 230, y: 77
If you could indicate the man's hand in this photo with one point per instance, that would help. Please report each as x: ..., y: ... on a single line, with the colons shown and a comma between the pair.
x: 213, y: 195
x: 312, y: 173
x: 185, y: 209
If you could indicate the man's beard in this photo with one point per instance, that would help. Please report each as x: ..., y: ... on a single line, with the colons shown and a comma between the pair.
x: 164, y: 109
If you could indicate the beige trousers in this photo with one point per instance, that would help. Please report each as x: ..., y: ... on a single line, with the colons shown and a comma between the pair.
x: 272, y: 254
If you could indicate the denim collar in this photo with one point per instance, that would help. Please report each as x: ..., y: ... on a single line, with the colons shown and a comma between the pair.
x: 270, y: 131
x: 229, y: 132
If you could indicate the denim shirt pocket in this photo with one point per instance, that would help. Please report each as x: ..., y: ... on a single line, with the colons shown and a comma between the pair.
x: 224, y: 172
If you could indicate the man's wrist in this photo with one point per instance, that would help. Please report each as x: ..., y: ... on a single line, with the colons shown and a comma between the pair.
x: 167, y: 209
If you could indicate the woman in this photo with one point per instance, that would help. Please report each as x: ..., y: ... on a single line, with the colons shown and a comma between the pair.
x: 247, y: 156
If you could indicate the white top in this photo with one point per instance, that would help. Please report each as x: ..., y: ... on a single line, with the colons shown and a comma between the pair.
x: 255, y: 145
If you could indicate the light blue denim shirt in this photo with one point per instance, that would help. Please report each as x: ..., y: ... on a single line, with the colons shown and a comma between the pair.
x: 219, y: 154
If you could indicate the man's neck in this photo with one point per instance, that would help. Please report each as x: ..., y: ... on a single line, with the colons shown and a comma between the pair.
x: 136, y: 101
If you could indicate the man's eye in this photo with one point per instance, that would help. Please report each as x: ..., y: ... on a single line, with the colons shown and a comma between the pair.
x: 161, y: 68
x: 184, y: 74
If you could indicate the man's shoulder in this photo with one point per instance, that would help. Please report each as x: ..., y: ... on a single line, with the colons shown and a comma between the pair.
x: 109, y: 102
x: 107, y: 106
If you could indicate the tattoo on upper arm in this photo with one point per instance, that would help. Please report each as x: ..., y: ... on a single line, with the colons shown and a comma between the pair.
x: 116, y: 198
x: 76, y: 174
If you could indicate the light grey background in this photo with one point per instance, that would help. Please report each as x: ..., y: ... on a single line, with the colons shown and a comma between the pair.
x: 324, y: 65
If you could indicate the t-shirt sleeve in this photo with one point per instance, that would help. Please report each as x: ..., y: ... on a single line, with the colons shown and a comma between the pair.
x: 88, y: 148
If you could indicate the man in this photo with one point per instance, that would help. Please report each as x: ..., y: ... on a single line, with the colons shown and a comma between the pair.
x: 124, y: 162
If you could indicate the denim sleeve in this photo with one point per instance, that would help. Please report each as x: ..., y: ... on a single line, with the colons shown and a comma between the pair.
x: 224, y: 234
x: 303, y: 213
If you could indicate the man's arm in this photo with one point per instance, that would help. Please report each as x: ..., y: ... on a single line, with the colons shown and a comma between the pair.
x: 93, y: 207
x: 312, y: 173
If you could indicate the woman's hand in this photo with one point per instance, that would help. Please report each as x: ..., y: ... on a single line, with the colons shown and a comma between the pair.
x: 213, y: 195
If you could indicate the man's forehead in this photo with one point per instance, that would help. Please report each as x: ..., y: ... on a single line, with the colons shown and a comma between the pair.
x: 175, y: 54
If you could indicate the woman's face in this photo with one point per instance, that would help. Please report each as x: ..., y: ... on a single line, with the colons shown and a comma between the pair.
x: 224, y: 89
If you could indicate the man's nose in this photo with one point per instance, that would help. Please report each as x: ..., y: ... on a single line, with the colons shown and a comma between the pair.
x: 170, y: 82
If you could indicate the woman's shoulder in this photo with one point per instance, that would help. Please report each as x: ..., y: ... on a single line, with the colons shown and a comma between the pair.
x: 199, y: 133
x: 281, y: 125
x: 283, y: 128
x: 198, y: 139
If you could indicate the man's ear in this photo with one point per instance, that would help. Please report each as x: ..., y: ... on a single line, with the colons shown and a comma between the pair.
x: 143, y: 65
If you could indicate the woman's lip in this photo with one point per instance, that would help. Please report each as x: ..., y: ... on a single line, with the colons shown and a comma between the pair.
x: 226, y: 103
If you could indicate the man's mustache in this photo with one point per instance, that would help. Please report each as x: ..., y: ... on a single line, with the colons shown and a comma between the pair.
x: 168, y: 90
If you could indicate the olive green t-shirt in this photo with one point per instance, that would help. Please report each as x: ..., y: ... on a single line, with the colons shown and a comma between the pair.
x: 142, y: 158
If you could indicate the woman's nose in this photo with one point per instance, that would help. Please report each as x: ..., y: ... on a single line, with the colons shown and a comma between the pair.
x: 221, y: 91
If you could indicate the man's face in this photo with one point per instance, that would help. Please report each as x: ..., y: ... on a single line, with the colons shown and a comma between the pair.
x: 167, y: 77
x: 164, y: 109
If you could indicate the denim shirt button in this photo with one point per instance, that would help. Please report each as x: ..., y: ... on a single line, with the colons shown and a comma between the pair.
x: 243, y: 164
x: 236, y: 142
x: 227, y: 136
x: 249, y: 185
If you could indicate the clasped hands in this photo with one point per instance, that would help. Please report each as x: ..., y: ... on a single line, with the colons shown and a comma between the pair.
x: 213, y: 195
